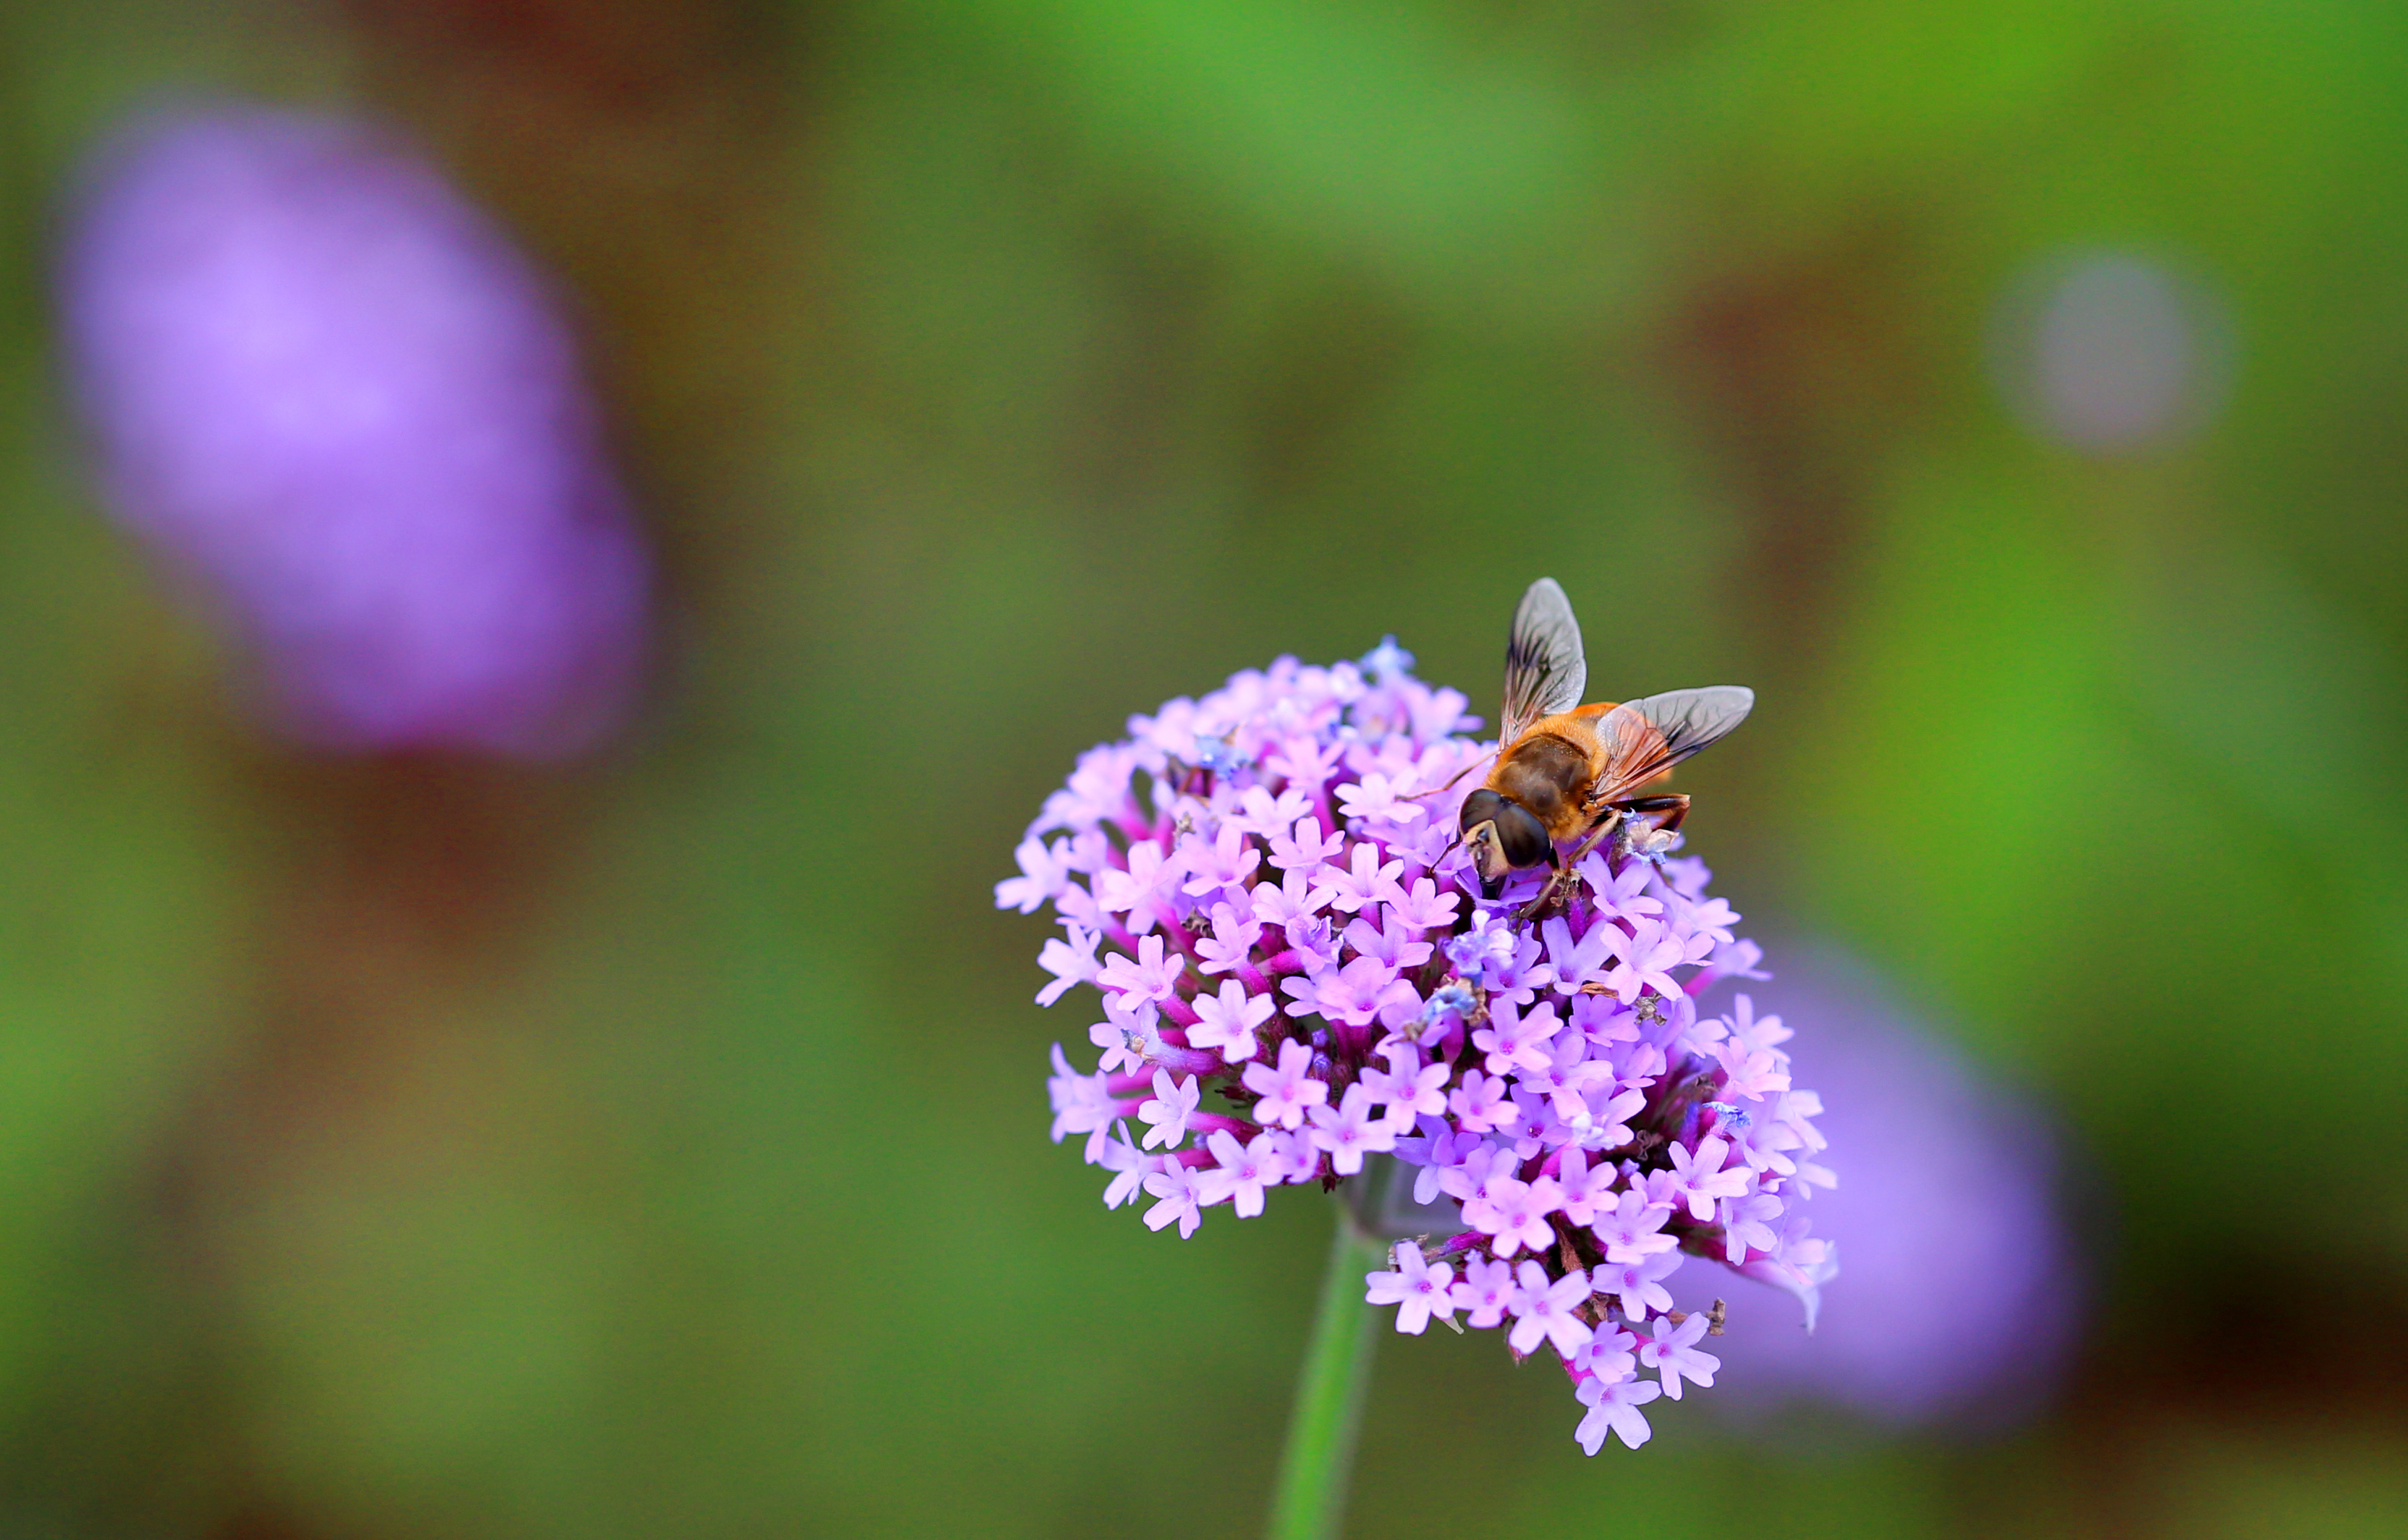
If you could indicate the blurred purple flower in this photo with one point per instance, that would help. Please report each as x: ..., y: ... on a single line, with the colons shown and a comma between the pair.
x: 331, y: 393
x: 2112, y: 352
x: 1322, y: 998
x: 1960, y: 1285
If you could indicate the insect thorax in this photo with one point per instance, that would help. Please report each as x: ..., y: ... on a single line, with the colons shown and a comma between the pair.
x: 1545, y: 774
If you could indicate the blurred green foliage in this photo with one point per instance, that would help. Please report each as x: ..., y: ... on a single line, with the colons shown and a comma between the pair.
x: 657, y: 1148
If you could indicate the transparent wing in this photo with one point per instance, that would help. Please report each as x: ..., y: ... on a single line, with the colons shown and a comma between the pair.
x: 1545, y: 670
x: 1643, y: 738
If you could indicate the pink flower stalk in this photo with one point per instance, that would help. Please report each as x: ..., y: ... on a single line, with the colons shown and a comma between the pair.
x: 1298, y: 970
x: 341, y: 406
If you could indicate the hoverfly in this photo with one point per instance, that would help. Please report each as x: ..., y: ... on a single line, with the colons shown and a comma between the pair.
x: 1564, y: 770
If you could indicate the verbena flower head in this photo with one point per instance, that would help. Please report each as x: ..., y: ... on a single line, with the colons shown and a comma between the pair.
x: 328, y: 391
x: 1297, y: 972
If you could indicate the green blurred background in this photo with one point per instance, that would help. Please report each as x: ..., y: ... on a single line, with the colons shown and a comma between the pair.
x: 419, y: 1149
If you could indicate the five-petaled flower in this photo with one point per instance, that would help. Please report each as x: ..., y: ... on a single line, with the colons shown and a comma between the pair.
x: 1418, y: 1290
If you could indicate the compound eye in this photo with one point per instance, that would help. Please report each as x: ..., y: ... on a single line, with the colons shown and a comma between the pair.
x: 1523, y: 837
x: 1481, y: 807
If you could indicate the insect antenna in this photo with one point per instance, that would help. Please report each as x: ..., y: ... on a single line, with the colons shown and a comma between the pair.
x: 1451, y: 780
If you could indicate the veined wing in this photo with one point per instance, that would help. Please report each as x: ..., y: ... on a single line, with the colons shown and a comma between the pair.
x: 1643, y: 738
x: 1545, y: 668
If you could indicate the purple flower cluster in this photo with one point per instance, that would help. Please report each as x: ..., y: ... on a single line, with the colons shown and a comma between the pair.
x: 1299, y: 971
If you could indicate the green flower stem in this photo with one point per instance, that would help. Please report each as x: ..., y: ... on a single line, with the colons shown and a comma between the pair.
x: 1320, y: 1454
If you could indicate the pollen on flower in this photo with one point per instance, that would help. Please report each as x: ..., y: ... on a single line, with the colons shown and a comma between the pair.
x: 1300, y: 971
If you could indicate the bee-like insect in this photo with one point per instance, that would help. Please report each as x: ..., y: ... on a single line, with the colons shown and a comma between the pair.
x: 1565, y: 770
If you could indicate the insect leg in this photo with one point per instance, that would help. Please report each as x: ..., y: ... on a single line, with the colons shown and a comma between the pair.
x: 1546, y: 894
x: 1647, y: 831
x: 1597, y: 835
x: 1665, y: 812
x: 1563, y: 868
